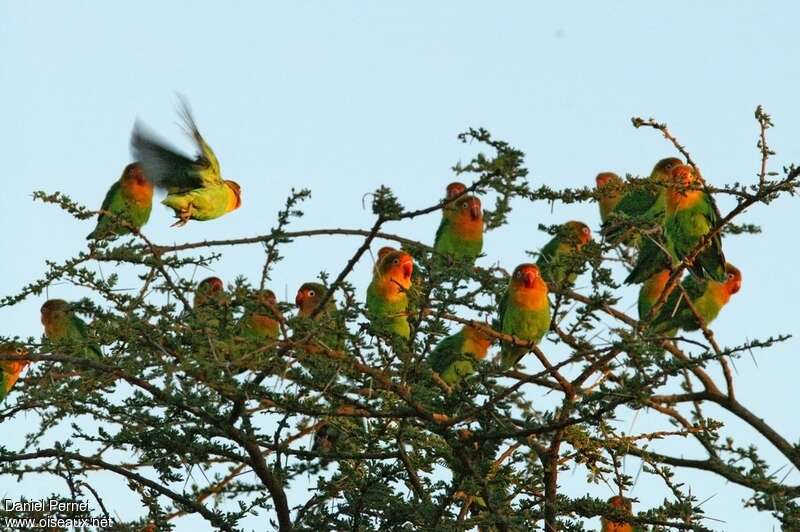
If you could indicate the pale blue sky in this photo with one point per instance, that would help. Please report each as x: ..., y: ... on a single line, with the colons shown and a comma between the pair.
x: 342, y: 97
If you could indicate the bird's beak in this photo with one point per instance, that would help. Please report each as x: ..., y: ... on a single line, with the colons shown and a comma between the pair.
x: 408, y: 267
x: 529, y: 278
x: 299, y: 298
x: 475, y: 211
x: 736, y: 285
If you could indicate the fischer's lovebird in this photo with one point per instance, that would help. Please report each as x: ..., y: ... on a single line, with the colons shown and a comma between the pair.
x: 690, y: 216
x: 558, y: 261
x: 707, y: 296
x: 610, y: 189
x: 130, y: 199
x: 460, y: 232
x: 453, y: 357
x: 387, y: 294
x: 624, y: 505
x: 10, y: 369
x: 195, y: 188
x: 524, y: 311
x: 61, y: 323
x: 262, y: 320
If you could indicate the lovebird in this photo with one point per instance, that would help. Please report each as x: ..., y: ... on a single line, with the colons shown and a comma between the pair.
x: 308, y: 298
x: 195, y: 188
x: 453, y: 190
x: 557, y: 260
x: 460, y: 232
x: 524, y: 311
x: 610, y: 189
x: 690, y: 215
x: 210, y: 290
x: 10, y: 369
x: 653, y: 258
x: 263, y: 320
x: 624, y: 505
x: 454, y: 356
x: 707, y: 296
x: 61, y: 323
x: 387, y: 294
x: 640, y: 203
x: 130, y: 198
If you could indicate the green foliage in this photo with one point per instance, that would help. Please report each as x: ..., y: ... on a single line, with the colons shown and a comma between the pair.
x: 198, y: 418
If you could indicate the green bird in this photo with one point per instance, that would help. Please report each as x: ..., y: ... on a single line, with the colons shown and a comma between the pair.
x: 387, y: 294
x: 651, y: 291
x: 558, y: 261
x: 130, y: 199
x: 210, y: 291
x: 610, y: 189
x: 61, y: 323
x: 11, y: 369
x: 460, y: 232
x: 645, y: 203
x: 195, y: 188
x: 524, y: 311
x: 309, y: 296
x: 653, y: 258
x: 262, y: 321
x: 707, y: 296
x: 690, y: 216
x: 454, y: 356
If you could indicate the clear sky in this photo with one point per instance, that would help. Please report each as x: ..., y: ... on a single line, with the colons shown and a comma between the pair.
x: 344, y: 96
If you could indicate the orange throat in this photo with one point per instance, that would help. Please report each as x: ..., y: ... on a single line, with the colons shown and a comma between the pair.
x: 534, y: 298
x: 682, y: 199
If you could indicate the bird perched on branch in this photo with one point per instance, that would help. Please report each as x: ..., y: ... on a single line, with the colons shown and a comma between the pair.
x: 61, y: 324
x: 639, y: 203
x: 262, y: 320
x: 708, y: 297
x: 690, y: 216
x: 453, y: 357
x: 129, y: 200
x: 10, y: 369
x: 559, y: 262
x: 387, y: 294
x: 195, y: 188
x: 624, y: 505
x: 610, y: 189
x: 524, y: 311
x: 460, y: 233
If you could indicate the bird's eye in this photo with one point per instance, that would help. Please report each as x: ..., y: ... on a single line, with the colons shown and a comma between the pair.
x: 396, y: 261
x: 464, y: 205
x: 730, y: 276
x: 518, y: 274
x: 19, y: 350
x: 311, y: 293
x: 585, y: 230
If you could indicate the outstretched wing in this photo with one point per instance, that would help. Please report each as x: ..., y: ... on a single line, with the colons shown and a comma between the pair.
x: 207, y: 160
x: 163, y: 164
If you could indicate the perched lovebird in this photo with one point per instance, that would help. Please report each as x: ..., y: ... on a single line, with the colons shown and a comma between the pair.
x: 460, y: 232
x: 690, y: 216
x: 263, y: 321
x: 61, y: 323
x: 640, y: 203
x: 624, y: 505
x: 195, y: 188
x: 524, y: 311
x: 210, y: 290
x: 651, y: 291
x: 130, y: 199
x: 707, y: 296
x: 10, y: 369
x: 309, y: 296
x: 387, y: 294
x: 610, y: 189
x: 453, y: 190
x: 557, y: 260
x: 454, y: 356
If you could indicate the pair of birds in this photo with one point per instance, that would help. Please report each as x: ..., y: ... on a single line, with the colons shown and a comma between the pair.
x: 673, y: 202
x: 195, y: 187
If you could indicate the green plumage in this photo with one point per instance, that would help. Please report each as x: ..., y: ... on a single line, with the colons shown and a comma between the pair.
x: 559, y: 261
x: 125, y: 202
x: 61, y: 324
x: 449, y: 242
x: 676, y: 314
x: 389, y: 316
x: 523, y: 312
x: 653, y: 257
x: 685, y: 227
x: 454, y: 357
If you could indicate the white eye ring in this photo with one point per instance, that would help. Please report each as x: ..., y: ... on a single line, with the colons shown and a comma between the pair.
x: 20, y: 351
x: 396, y: 261
x: 311, y: 293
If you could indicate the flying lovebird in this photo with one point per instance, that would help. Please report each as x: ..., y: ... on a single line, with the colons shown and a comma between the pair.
x: 453, y: 357
x: 387, y: 294
x: 524, y: 311
x: 130, y: 199
x: 195, y: 188
x: 624, y: 505
x: 640, y: 203
x: 708, y: 297
x: 558, y: 262
x: 610, y: 189
x: 61, y: 323
x: 10, y: 369
x: 460, y: 232
x: 263, y: 320
x: 690, y: 216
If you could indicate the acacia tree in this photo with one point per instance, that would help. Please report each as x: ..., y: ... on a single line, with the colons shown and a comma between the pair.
x: 178, y: 392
